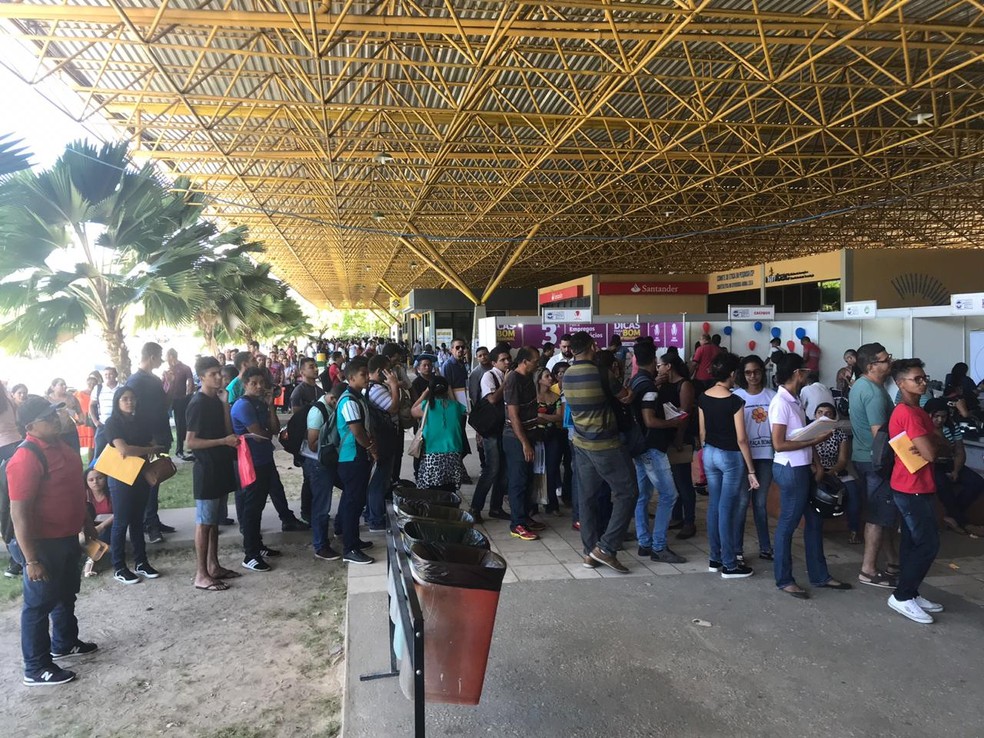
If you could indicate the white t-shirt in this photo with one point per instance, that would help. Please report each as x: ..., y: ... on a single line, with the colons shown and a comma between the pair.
x: 757, y: 425
x: 812, y: 395
x: 491, y: 380
x: 786, y: 410
x: 556, y: 359
x: 105, y: 399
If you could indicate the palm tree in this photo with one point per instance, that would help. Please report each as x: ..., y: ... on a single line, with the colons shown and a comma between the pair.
x: 12, y: 158
x: 88, y: 241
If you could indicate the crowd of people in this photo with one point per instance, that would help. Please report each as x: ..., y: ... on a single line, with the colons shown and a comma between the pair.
x: 606, y: 435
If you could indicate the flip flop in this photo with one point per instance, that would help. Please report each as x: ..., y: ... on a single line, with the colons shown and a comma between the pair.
x: 214, y: 587
x: 228, y: 574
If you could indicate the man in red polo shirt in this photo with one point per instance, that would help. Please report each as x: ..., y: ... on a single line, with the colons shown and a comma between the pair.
x: 700, y: 362
x: 47, y: 507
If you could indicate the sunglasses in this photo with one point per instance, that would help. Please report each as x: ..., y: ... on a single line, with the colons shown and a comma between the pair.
x: 919, y: 379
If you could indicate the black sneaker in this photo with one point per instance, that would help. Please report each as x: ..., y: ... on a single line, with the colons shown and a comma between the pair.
x: 739, y: 572
x: 154, y: 536
x: 479, y: 520
x: 13, y: 570
x: 667, y: 556
x: 227, y: 521
x: 269, y: 553
x: 146, y: 571
x: 79, y: 649
x: 294, y: 526
x: 357, y: 557
x: 766, y: 555
x: 499, y: 515
x: 51, y: 676
x: 689, y: 530
x: 125, y: 576
x: 645, y: 551
x: 167, y: 528
x: 257, y: 564
x: 363, y: 545
x: 714, y: 566
x: 327, y: 554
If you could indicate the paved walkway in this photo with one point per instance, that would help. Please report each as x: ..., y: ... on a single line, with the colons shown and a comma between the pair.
x: 591, y: 652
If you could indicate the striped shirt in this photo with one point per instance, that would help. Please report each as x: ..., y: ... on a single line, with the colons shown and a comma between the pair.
x: 595, y: 427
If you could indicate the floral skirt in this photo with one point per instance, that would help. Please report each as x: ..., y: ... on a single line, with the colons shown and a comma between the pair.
x: 439, y: 470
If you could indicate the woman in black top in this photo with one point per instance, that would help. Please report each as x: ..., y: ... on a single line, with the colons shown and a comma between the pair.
x: 678, y: 389
x: 727, y: 463
x: 131, y: 438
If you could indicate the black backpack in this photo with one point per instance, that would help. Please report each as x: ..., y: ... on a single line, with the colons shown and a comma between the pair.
x: 635, y: 431
x: 487, y: 419
x: 6, y: 524
x: 882, y: 454
x: 295, y: 432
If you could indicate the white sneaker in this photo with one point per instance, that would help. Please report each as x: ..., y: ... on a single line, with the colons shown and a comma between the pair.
x: 928, y: 605
x: 911, y: 609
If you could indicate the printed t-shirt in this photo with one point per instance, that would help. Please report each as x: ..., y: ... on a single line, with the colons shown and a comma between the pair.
x: 757, y: 426
x: 646, y: 397
x: 917, y: 423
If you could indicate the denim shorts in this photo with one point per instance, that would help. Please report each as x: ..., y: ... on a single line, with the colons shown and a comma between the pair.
x: 880, y: 508
x: 208, y: 512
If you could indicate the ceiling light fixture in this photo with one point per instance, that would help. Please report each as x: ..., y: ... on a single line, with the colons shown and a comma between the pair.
x: 921, y: 118
x: 378, y: 215
x: 383, y: 158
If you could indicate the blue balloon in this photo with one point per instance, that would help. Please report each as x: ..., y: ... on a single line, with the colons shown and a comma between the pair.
x: 776, y: 332
x: 800, y: 332
x: 727, y: 330
x: 757, y: 325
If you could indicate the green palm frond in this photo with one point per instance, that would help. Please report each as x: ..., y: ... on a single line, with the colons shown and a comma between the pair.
x: 44, y: 326
x: 13, y: 156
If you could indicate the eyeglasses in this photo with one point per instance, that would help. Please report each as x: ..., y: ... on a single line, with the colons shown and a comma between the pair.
x: 457, y: 348
x: 919, y: 379
x: 884, y: 361
x: 752, y: 372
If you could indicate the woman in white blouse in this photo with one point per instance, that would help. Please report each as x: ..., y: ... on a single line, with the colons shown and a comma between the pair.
x: 793, y: 470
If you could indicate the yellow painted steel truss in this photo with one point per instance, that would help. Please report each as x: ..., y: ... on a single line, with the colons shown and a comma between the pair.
x: 381, y: 146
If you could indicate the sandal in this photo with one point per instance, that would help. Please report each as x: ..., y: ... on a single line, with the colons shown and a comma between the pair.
x: 953, y: 525
x: 878, y: 579
x: 214, y: 587
x: 893, y: 570
x: 855, y: 538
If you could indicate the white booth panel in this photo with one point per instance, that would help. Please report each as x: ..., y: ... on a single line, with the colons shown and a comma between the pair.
x: 940, y: 343
x: 889, y: 332
x: 836, y: 337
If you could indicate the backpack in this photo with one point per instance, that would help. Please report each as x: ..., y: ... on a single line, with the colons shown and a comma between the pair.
x: 405, y: 417
x: 487, y: 419
x: 6, y: 523
x: 295, y: 432
x: 634, y: 435
x: 380, y: 425
x: 882, y: 454
x: 329, y: 440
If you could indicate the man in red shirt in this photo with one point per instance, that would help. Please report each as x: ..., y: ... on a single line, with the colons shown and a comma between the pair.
x: 811, y: 354
x: 914, y: 493
x: 47, y: 507
x: 700, y: 362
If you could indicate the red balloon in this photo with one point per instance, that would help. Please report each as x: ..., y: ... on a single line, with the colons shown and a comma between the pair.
x: 751, y: 345
x: 791, y: 345
x: 706, y: 327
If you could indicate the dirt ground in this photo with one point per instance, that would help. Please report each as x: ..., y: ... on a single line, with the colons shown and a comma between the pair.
x: 265, y: 658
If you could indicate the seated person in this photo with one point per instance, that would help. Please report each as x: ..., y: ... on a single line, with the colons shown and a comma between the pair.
x: 957, y: 486
x: 959, y: 386
x: 100, y: 509
x: 834, y: 455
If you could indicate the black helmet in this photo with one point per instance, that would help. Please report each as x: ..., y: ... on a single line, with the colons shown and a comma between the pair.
x: 828, y: 496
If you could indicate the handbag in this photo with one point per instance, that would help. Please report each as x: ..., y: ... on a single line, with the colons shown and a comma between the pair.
x: 684, y: 455
x: 244, y: 460
x: 697, y: 469
x: 159, y: 470
x: 416, y: 448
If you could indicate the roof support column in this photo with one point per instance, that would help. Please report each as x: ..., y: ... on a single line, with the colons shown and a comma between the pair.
x: 494, y: 284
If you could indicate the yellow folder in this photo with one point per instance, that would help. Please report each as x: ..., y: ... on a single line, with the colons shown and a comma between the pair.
x: 112, y: 464
x: 902, y: 445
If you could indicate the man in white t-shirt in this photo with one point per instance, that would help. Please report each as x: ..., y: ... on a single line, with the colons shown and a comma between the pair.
x: 101, y: 406
x: 814, y: 394
x: 320, y: 478
x: 493, y: 475
x: 563, y: 353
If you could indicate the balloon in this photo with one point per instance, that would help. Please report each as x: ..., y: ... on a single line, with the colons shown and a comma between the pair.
x: 791, y: 345
x: 776, y: 333
x: 800, y: 332
x: 757, y: 325
x: 727, y: 330
x: 706, y: 327
x: 751, y: 345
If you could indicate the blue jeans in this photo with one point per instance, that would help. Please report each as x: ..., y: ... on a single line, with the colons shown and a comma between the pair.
x: 853, y: 505
x: 129, y: 503
x: 380, y: 483
x: 150, y: 517
x: 493, y: 477
x: 726, y: 474
x: 54, y: 598
x: 519, y: 476
x: 653, y: 468
x: 575, y: 491
x: 611, y: 466
x: 553, y: 449
x: 794, y: 492
x: 758, y: 498
x: 920, y: 541
x: 322, y: 482
x: 354, y: 476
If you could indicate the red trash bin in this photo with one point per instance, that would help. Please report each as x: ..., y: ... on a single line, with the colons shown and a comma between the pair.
x: 458, y: 589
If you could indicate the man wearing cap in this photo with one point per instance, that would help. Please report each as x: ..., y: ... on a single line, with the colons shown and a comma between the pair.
x: 47, y: 507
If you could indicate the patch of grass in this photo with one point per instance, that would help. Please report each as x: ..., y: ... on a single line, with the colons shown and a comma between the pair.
x: 177, y: 491
x: 237, y: 731
x: 10, y: 589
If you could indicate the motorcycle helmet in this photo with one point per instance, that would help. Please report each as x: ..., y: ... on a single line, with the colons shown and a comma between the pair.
x: 828, y: 496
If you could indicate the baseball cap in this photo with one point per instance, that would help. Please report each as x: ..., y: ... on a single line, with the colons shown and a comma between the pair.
x: 34, y: 408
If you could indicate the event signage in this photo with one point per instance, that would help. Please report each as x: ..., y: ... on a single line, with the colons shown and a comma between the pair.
x: 748, y: 278
x: 566, y: 315
x: 652, y: 288
x: 861, y: 309
x: 804, y: 269
x: 664, y: 334
x: 970, y: 303
x: 752, y: 312
x: 567, y: 293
